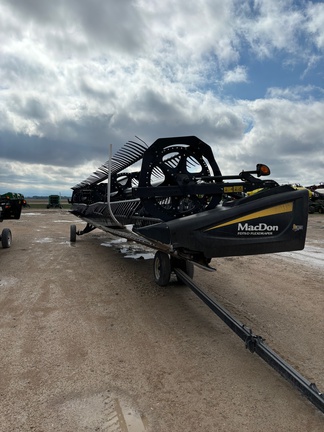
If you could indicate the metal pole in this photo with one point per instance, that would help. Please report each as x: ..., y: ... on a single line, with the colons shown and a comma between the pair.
x: 112, y: 216
x: 256, y: 344
x: 109, y: 175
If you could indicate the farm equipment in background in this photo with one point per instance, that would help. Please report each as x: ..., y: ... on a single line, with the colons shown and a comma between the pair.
x: 54, y: 201
x: 10, y: 208
x: 178, y: 203
x: 316, y: 203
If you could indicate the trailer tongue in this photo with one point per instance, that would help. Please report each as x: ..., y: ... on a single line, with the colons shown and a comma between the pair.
x: 256, y: 344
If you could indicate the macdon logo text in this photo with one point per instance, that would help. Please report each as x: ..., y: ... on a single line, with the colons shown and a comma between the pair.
x: 259, y: 229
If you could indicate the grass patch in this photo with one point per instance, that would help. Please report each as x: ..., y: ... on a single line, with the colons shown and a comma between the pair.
x: 41, y: 204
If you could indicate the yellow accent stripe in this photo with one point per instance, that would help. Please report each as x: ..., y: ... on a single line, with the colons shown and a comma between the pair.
x: 282, y: 208
x: 230, y: 189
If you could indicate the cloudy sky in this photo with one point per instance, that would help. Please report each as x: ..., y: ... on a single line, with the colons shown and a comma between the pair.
x: 77, y: 75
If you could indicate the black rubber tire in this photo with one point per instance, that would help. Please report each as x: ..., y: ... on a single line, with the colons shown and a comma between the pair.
x: 6, y: 238
x: 161, y: 268
x: 72, y: 233
x: 321, y: 210
x: 311, y: 209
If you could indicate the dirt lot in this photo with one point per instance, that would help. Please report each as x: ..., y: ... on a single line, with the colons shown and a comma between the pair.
x: 90, y: 343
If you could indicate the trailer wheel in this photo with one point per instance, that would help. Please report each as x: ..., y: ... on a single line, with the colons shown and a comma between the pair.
x: 73, y: 233
x: 6, y: 238
x: 311, y: 209
x: 161, y: 268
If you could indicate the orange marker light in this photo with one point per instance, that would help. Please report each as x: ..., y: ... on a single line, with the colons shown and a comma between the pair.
x: 262, y: 170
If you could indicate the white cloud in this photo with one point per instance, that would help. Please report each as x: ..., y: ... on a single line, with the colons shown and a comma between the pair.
x: 288, y: 134
x: 315, y: 23
x: 77, y: 75
x: 294, y: 93
x: 237, y: 75
x: 41, y: 178
x: 270, y: 26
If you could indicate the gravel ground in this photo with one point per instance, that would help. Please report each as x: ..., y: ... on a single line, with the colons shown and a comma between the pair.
x: 90, y: 343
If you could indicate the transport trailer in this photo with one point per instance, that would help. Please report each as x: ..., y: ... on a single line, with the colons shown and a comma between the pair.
x: 178, y: 203
x: 10, y: 208
x: 173, y: 197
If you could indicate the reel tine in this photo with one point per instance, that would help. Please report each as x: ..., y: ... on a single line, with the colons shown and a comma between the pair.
x: 130, y: 153
x: 146, y: 146
x: 125, y: 156
x: 143, y: 146
x: 157, y: 173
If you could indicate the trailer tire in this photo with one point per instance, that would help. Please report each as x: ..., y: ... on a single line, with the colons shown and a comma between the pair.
x: 161, y: 268
x: 311, y: 209
x: 72, y: 233
x: 6, y: 238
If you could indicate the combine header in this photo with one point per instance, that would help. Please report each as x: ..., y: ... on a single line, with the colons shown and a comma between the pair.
x: 179, y: 203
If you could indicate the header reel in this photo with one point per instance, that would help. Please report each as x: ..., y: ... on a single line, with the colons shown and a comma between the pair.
x: 180, y: 162
x: 179, y: 177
